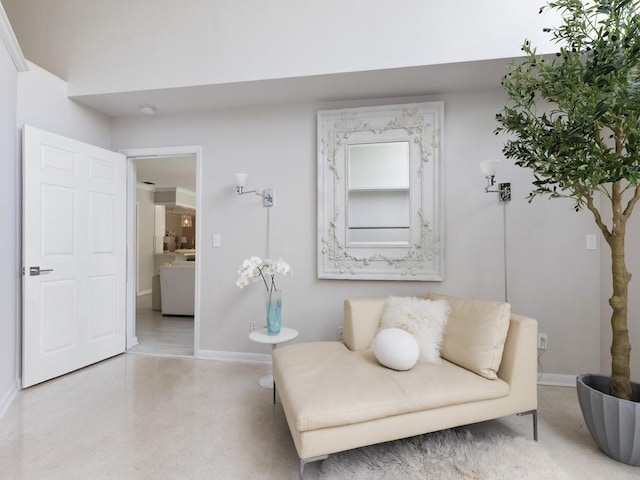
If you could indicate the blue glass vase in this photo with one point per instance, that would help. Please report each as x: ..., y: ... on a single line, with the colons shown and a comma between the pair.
x: 274, y: 312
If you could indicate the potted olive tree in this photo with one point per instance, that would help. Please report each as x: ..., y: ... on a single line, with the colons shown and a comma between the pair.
x: 574, y: 120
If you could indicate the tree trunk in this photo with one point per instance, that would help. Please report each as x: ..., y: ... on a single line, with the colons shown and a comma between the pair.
x: 620, y: 345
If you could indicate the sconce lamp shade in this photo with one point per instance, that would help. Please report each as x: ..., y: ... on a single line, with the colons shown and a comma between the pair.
x: 489, y: 167
x: 186, y: 221
x: 241, y: 179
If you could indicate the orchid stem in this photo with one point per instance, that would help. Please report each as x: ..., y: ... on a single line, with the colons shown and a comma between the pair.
x: 263, y: 279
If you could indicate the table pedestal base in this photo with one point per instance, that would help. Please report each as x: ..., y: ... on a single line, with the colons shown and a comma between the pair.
x: 261, y: 336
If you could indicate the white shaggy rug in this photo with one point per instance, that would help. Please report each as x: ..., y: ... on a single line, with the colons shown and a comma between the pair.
x: 446, y: 455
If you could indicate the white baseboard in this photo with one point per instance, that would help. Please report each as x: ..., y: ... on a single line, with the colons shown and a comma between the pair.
x: 143, y: 292
x: 233, y: 356
x: 557, y: 380
x: 8, y: 397
x: 551, y: 379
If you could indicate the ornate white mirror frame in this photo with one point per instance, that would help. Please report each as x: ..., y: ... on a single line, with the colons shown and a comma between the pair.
x: 386, y: 225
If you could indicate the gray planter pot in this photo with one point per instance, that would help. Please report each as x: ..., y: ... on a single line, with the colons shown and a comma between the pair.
x: 613, y: 423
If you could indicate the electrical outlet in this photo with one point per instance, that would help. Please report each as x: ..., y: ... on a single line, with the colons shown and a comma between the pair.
x: 340, y: 333
x: 542, y: 341
x: 252, y: 326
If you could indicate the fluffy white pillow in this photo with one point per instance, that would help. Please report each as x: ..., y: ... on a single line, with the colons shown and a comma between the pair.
x: 395, y: 349
x: 424, y: 319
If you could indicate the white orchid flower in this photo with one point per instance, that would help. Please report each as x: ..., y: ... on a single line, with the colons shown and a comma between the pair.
x: 282, y: 267
x: 255, y: 268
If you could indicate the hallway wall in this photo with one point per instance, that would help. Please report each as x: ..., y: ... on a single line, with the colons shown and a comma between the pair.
x: 9, y: 241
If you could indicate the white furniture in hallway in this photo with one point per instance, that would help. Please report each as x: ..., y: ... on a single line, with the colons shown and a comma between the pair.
x: 164, y: 258
x: 177, y: 287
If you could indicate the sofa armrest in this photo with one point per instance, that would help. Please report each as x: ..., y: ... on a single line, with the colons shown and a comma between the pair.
x: 361, y: 321
x: 519, y: 367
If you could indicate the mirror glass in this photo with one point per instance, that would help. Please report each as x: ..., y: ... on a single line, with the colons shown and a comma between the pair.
x: 378, y: 194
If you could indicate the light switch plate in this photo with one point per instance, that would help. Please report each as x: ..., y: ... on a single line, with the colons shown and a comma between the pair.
x: 216, y: 240
x: 591, y: 241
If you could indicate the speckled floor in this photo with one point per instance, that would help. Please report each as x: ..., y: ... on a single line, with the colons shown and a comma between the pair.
x: 139, y: 417
x: 148, y: 417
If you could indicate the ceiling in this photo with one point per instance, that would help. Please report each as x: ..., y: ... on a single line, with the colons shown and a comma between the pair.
x: 114, y: 54
x: 397, y: 82
x: 171, y: 171
x: 338, y: 87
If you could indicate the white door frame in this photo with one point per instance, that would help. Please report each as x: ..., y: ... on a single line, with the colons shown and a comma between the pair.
x: 132, y: 241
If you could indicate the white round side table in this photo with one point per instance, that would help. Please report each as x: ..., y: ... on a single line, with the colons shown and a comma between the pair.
x: 261, y: 336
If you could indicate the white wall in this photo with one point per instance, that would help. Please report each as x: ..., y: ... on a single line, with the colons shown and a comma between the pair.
x: 43, y: 103
x: 146, y: 230
x: 10, y: 269
x: 225, y: 42
x: 552, y: 277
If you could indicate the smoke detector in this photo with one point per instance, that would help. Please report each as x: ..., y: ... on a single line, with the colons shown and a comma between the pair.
x: 147, y: 109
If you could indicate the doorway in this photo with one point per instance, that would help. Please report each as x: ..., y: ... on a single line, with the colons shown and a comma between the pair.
x: 163, y: 183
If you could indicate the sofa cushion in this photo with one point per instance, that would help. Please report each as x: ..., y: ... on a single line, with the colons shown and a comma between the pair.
x: 396, y: 349
x: 475, y: 333
x: 324, y: 384
x: 424, y: 319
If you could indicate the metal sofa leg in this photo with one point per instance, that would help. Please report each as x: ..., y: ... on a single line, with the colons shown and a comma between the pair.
x: 534, y: 413
x: 304, y: 461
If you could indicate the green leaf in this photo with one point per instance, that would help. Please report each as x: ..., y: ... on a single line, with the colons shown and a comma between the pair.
x: 574, y: 119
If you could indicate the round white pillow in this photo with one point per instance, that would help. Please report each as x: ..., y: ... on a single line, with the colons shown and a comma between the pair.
x: 395, y: 348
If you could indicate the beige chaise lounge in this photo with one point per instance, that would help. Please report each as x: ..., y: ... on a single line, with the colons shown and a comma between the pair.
x: 336, y: 396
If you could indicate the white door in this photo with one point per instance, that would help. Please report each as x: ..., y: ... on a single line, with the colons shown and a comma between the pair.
x: 74, y: 255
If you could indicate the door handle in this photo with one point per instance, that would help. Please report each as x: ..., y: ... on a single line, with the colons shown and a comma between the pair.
x: 33, y: 271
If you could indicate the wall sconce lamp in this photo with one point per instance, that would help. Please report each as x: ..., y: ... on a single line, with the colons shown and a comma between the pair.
x: 266, y: 194
x: 489, y: 168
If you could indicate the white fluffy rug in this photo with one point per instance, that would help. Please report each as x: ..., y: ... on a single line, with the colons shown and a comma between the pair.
x: 446, y: 455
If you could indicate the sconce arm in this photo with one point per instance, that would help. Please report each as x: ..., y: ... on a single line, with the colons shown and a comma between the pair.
x: 266, y: 194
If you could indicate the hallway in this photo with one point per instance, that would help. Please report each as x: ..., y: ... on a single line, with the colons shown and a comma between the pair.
x: 160, y: 335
